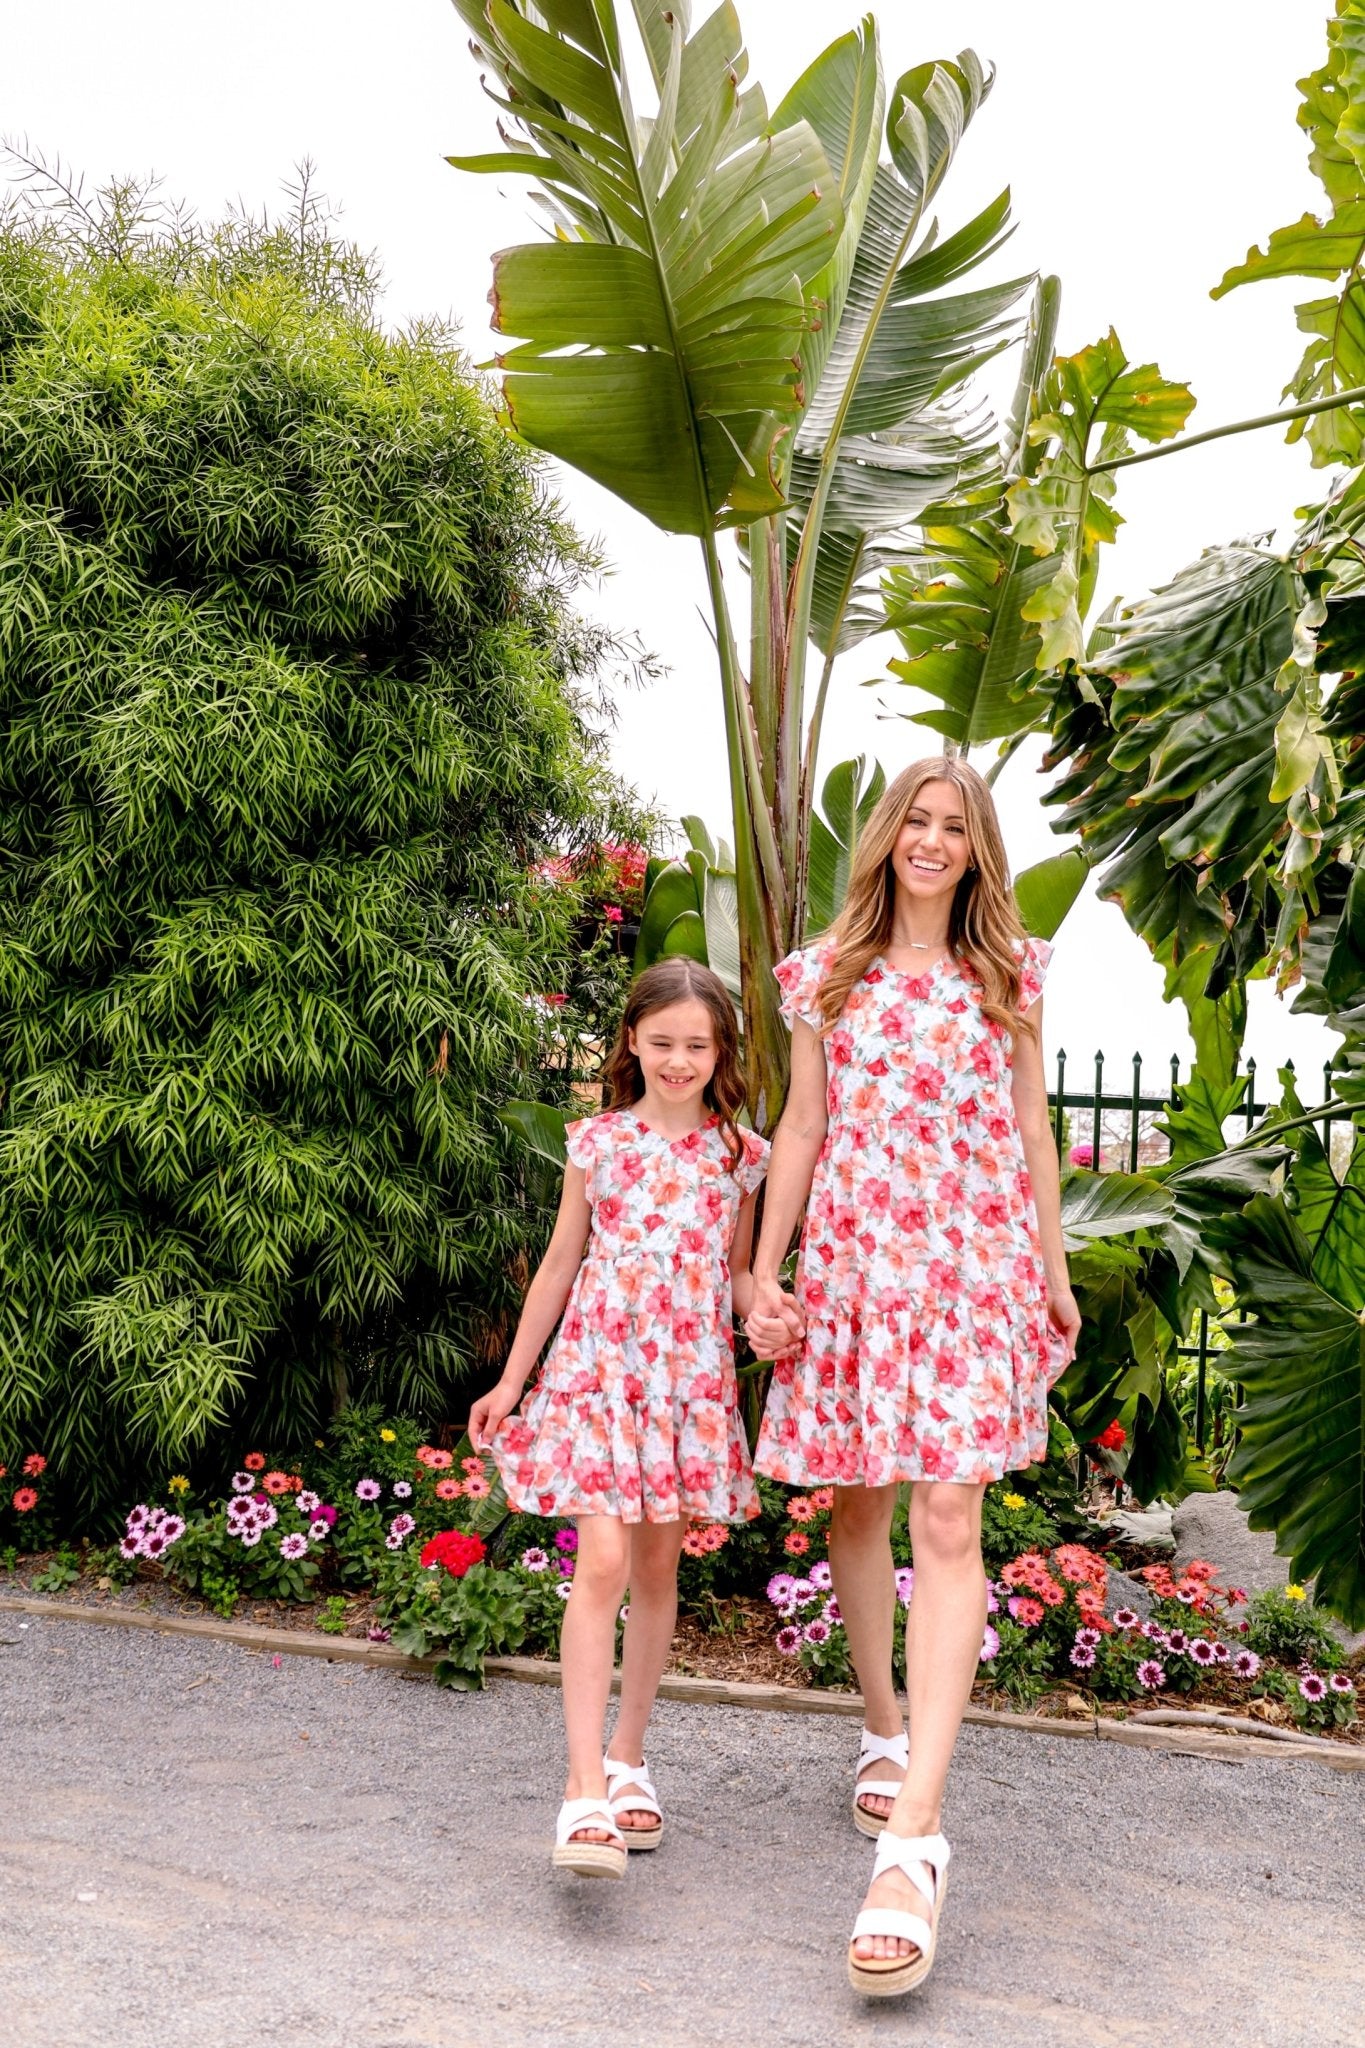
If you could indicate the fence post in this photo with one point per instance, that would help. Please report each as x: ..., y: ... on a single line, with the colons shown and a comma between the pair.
x: 1133, y: 1129
x: 1201, y: 1382
x: 1095, y: 1127
x: 1327, y: 1121
x: 1249, y: 1106
x: 1059, y: 1118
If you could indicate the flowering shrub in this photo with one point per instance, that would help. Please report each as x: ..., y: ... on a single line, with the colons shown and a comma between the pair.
x: 1281, y: 1624
x: 263, y: 1540
x: 446, y: 1601
x: 1010, y: 1522
x: 26, y: 1518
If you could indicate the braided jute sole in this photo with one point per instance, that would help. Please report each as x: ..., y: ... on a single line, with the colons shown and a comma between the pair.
x: 893, y: 1976
x: 640, y: 1839
x: 589, y: 1859
x: 870, y: 1824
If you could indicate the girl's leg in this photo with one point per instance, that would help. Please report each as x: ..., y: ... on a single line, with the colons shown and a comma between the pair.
x: 865, y: 1587
x: 654, y: 1551
x: 587, y: 1649
x: 943, y: 1646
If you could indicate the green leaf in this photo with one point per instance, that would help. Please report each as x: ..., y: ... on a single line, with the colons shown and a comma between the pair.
x: 848, y: 800
x: 1046, y: 891
x: 660, y: 339
x: 1112, y: 1204
x: 673, y: 895
x: 540, y: 1128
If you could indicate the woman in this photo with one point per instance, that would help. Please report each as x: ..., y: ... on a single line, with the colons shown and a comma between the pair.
x: 933, y: 1292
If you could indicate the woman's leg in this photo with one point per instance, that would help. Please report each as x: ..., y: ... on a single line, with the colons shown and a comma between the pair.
x: 587, y: 1650
x: 942, y: 1646
x: 654, y: 1552
x: 865, y: 1587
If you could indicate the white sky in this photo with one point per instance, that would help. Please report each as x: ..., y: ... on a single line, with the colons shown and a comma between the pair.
x: 1146, y: 149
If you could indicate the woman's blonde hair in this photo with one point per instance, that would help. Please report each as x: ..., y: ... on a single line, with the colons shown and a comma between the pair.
x: 675, y: 980
x: 983, y: 922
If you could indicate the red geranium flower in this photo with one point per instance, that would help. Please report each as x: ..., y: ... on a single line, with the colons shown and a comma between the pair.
x: 254, y: 1461
x: 25, y: 1498
x: 34, y: 1465
x: 1112, y: 1439
x: 456, y: 1551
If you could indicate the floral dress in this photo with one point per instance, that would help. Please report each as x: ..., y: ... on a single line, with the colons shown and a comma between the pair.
x: 636, y: 1412
x: 929, y: 1351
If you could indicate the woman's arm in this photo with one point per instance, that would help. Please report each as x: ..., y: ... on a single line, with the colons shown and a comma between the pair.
x: 544, y: 1305
x: 791, y: 1169
x: 1040, y: 1155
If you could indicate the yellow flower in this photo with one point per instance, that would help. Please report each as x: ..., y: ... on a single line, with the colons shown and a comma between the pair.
x: 180, y: 1484
x: 388, y: 1436
x: 319, y: 1442
x: 1295, y: 1593
x: 1014, y: 1500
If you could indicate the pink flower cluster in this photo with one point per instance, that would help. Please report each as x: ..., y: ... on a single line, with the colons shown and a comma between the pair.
x: 148, y: 1532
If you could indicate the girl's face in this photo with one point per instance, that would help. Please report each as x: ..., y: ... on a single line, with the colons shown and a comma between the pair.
x: 932, y: 853
x: 677, y: 1050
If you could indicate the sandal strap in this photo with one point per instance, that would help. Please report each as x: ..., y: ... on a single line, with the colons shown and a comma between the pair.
x: 894, y: 1748
x: 647, y: 1799
x: 878, y: 1788
x: 911, y: 1854
x: 900, y: 1926
x: 577, y: 1814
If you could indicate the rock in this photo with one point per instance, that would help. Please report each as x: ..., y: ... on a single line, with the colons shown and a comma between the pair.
x: 1125, y: 1591
x: 1213, y: 1526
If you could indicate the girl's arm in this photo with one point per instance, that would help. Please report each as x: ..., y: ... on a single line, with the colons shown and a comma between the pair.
x: 791, y: 1169
x: 742, y: 1244
x: 1040, y: 1155
x: 546, y: 1298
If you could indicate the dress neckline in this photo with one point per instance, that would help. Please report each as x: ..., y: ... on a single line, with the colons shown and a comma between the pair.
x: 708, y: 1124
x: 944, y: 961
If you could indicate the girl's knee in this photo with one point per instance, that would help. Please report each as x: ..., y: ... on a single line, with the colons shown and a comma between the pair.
x: 945, y: 1522
x: 862, y: 1511
x: 602, y: 1564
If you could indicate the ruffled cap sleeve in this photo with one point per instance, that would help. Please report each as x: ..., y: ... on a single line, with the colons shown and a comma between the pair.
x: 580, y: 1142
x: 799, y: 977
x: 1034, y: 955
x: 752, y: 1169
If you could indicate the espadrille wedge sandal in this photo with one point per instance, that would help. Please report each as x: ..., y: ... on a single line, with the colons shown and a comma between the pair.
x: 892, y: 1749
x: 642, y: 1798
x: 588, y: 1859
x: 924, y: 1860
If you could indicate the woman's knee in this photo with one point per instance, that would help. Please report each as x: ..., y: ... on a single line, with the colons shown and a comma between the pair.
x: 602, y: 1564
x: 945, y: 1523
x: 862, y: 1513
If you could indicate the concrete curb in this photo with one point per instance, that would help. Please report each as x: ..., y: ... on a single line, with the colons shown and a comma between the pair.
x: 1197, y: 1740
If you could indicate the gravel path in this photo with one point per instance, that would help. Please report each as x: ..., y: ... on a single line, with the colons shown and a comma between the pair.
x: 202, y: 1849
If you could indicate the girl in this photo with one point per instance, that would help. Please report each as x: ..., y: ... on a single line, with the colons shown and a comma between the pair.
x: 932, y: 1287
x: 634, y: 1427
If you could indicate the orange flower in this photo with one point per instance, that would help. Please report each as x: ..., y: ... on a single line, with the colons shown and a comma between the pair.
x: 276, y: 1482
x: 473, y: 1468
x: 448, y: 1489
x: 34, y: 1465
x: 801, y: 1509
x: 693, y: 1544
x: 823, y: 1499
x: 476, y: 1487
x: 296, y: 1482
x: 434, y: 1460
x: 24, y: 1499
x: 717, y: 1536
x: 254, y: 1461
x: 796, y: 1543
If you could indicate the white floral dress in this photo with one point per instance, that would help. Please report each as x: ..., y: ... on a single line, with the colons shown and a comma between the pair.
x: 929, y: 1351
x: 636, y: 1412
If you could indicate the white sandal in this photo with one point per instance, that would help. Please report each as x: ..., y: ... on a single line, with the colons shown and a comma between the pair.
x: 588, y: 1859
x: 643, y: 1800
x: 894, y: 1749
x: 889, y: 1976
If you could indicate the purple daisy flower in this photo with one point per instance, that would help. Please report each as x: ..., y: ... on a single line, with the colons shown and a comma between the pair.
x: 1339, y: 1682
x: 1177, y: 1641
x: 368, y: 1489
x: 248, y: 1536
x: 307, y: 1503
x: 833, y: 1612
x: 1088, y: 1638
x: 376, y: 1634
x: 401, y: 1490
x: 171, y: 1529
x: 990, y: 1644
x: 564, y: 1588
x: 1221, y: 1653
x: 294, y: 1546
x: 905, y: 1584
x: 788, y: 1641
x: 992, y: 1604
x: 820, y: 1576
x: 267, y: 1514
x: 780, y: 1588
x: 319, y: 1531
x: 566, y: 1567
x: 1201, y: 1649
x: 1185, y: 1599
x: 1246, y: 1663
x: 1124, y: 1617
x: 402, y: 1525
x: 153, y: 1543
x: 567, y: 1539
x: 817, y: 1631
x: 327, y: 1515
x: 242, y: 1482
x: 130, y: 1547
x: 802, y: 1593
x: 1082, y: 1656
x: 138, y: 1516
x: 1311, y: 1687
x: 392, y: 1542
x: 1151, y: 1674
x: 534, y: 1560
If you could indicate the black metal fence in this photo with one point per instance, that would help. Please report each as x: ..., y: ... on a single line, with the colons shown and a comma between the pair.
x: 1141, y: 1110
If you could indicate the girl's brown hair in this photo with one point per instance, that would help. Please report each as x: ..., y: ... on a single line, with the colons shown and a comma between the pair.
x: 679, y: 980
x: 983, y: 921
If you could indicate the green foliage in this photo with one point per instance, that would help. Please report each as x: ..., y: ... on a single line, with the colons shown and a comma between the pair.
x: 332, y: 1620
x: 461, y: 1620
x: 1289, y: 1629
x: 847, y: 801
x: 292, y: 703
x: 61, y: 1571
x: 1011, y: 1522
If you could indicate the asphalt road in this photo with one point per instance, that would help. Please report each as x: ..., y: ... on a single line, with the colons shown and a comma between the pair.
x: 202, y: 1849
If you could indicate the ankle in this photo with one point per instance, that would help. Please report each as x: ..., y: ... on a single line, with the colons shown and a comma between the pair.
x: 884, y: 1721
x: 915, y: 1820
x: 588, y: 1784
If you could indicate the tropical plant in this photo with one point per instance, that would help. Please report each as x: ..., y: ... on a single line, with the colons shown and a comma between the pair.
x: 743, y: 322
x: 293, y: 705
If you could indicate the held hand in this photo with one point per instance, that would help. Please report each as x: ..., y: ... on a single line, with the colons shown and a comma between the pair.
x: 489, y: 1413
x: 775, y: 1331
x: 1064, y: 1316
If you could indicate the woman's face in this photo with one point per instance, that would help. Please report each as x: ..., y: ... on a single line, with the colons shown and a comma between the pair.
x: 677, y: 1050
x: 932, y: 852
